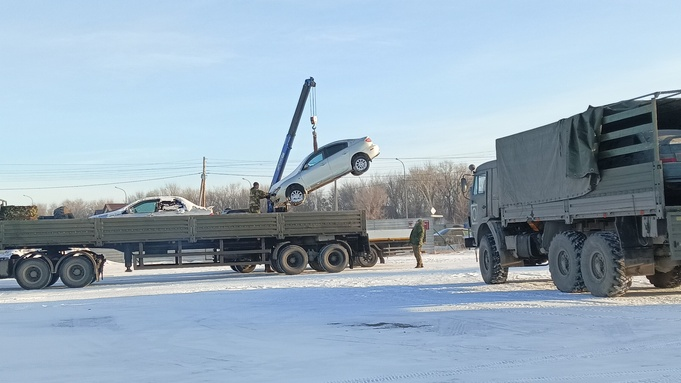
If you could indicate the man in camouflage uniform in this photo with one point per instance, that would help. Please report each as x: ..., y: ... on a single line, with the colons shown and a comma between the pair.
x: 417, y: 237
x: 255, y: 197
x: 254, y: 207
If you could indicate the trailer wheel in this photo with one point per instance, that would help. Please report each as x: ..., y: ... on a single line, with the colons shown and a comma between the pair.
x: 666, y: 280
x: 314, y: 264
x: 333, y: 258
x: 33, y: 274
x: 490, y: 262
x: 603, y: 266
x: 565, y: 253
x: 360, y: 164
x: 76, y: 271
x: 234, y: 268
x: 292, y: 259
x: 244, y: 268
x: 368, y: 259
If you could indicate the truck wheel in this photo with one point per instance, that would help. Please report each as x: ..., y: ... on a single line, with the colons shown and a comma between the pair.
x: 296, y: 194
x: 53, y: 279
x: 360, y: 164
x: 33, y: 274
x: 603, y: 266
x: 314, y: 264
x: 244, y: 269
x: 76, y: 271
x: 564, y: 261
x: 666, y: 280
x: 292, y: 259
x: 333, y: 258
x: 368, y: 260
x: 490, y: 262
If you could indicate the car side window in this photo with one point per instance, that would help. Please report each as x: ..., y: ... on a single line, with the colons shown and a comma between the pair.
x: 333, y: 149
x: 315, y: 160
x: 144, y: 207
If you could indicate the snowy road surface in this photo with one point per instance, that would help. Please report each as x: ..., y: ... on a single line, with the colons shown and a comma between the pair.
x: 390, y: 323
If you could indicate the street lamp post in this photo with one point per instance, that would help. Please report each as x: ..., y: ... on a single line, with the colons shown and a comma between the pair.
x: 29, y: 197
x: 249, y: 182
x: 124, y: 192
x: 406, y: 205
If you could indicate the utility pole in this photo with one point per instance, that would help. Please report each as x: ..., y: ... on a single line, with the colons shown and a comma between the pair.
x: 202, y: 191
x: 404, y: 174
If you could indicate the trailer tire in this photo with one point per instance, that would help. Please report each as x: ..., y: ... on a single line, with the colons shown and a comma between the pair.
x: 490, y: 262
x: 368, y: 259
x: 292, y: 259
x: 33, y: 274
x: 667, y: 280
x: 76, y: 271
x: 333, y: 258
x: 565, y: 253
x: 603, y: 267
x: 244, y: 268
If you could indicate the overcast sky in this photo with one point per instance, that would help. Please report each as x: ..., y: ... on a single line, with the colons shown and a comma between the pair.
x: 117, y: 93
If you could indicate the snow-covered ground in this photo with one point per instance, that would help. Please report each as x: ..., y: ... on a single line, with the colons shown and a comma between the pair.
x: 389, y: 323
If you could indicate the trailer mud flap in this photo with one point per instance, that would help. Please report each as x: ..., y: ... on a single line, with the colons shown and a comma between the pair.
x: 674, y: 233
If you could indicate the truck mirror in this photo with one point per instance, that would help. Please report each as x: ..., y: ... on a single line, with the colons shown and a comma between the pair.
x: 464, y: 185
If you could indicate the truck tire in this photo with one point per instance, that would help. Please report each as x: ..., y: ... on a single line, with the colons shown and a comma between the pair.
x: 314, y: 264
x: 53, y: 279
x: 490, y: 262
x: 603, y: 267
x: 244, y: 268
x: 333, y: 258
x: 666, y: 280
x: 368, y: 259
x: 565, y: 253
x: 76, y: 271
x: 33, y: 274
x: 292, y: 259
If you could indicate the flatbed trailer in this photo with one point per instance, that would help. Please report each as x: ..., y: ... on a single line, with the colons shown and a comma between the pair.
x: 289, y: 242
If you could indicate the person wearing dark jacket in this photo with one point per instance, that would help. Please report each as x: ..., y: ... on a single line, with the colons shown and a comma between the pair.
x: 417, y: 237
x: 254, y: 207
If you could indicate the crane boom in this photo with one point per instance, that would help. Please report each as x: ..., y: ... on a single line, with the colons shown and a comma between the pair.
x: 291, y: 135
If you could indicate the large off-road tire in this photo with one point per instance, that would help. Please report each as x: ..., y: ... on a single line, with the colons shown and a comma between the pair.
x: 295, y: 194
x: 360, y: 164
x: 490, y: 262
x: 33, y: 274
x: 76, y: 271
x: 565, y: 253
x: 292, y: 259
x: 603, y: 267
x: 333, y: 258
x: 369, y: 259
x: 668, y: 280
x: 244, y: 268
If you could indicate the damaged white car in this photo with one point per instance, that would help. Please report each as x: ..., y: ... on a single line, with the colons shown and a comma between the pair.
x: 158, y: 207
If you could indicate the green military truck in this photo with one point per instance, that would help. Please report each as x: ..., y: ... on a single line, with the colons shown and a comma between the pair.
x: 596, y: 196
x: 39, y: 252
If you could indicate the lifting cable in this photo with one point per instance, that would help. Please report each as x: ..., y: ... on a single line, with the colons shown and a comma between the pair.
x: 313, y: 117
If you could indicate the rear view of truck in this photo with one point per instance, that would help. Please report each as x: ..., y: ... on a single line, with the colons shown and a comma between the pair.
x: 596, y: 196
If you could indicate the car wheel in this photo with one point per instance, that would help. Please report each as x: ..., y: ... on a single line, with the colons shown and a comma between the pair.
x: 296, y: 194
x: 360, y: 164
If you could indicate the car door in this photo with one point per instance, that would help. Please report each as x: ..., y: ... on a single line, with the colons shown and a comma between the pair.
x: 315, y: 172
x: 340, y: 163
x: 142, y: 209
